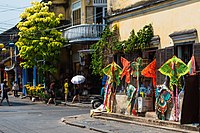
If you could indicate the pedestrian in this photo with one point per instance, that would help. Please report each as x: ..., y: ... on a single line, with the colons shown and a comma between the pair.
x: 5, y: 91
x: 66, y: 89
x: 52, y: 93
x: 77, y: 93
x: 15, y: 89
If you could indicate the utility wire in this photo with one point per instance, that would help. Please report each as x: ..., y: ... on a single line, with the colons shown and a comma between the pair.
x: 98, y: 15
x: 9, y: 20
x: 10, y: 8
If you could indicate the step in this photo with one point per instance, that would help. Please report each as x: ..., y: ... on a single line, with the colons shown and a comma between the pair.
x: 144, y: 124
x: 153, y: 121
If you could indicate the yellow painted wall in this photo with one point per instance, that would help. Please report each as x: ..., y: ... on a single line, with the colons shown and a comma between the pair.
x: 164, y: 22
x: 61, y: 10
x: 119, y: 4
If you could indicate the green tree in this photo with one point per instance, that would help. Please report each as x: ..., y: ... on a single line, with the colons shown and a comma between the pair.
x: 104, y: 49
x: 38, y: 37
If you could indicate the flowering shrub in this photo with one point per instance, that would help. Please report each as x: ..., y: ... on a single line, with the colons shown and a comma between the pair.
x: 37, y: 91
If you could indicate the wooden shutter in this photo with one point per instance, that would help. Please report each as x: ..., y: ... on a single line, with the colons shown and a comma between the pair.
x: 196, y: 49
x: 169, y: 53
x: 162, y: 55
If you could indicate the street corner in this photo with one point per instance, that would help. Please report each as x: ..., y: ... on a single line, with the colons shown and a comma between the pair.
x: 63, y: 119
x: 73, y: 121
x: 75, y: 118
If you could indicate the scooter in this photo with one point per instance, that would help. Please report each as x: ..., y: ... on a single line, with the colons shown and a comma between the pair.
x: 96, y: 102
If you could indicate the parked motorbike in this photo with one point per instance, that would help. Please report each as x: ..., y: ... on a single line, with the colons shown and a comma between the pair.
x: 96, y: 102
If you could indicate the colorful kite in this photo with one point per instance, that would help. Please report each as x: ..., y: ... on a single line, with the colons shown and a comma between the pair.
x: 113, y: 71
x: 136, y: 67
x: 191, y: 65
x: 126, y: 69
x: 174, y: 68
x: 150, y: 71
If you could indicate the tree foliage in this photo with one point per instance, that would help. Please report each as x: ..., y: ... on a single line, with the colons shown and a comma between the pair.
x: 38, y: 38
x: 136, y: 41
x: 103, y: 49
x: 109, y: 44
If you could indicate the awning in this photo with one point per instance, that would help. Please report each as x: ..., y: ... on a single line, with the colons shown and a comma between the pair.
x: 184, y: 35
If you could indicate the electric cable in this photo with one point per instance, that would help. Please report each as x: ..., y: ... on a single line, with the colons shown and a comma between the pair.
x: 98, y: 15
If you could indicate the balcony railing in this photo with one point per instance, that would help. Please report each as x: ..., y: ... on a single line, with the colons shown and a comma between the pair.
x: 83, y: 33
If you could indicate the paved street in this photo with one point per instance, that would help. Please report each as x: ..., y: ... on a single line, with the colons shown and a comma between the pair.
x: 27, y: 117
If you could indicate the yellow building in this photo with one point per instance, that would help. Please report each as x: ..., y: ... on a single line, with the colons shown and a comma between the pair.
x: 175, y: 23
x: 86, y: 23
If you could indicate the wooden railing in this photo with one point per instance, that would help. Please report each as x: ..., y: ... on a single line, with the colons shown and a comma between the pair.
x: 83, y: 32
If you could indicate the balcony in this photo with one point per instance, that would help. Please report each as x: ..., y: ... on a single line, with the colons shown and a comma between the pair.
x: 83, y: 33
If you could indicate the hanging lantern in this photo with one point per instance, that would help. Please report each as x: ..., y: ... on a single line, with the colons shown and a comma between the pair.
x: 4, y: 50
x: 1, y: 45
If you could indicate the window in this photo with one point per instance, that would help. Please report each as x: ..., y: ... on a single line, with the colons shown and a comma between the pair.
x: 99, y: 14
x: 77, y: 17
x: 183, y: 42
x: 76, y: 13
x: 184, y: 51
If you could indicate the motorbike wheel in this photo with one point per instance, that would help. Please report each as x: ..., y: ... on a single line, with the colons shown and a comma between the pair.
x: 96, y: 104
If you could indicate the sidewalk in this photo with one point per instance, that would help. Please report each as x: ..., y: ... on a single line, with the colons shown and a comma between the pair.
x: 152, y: 122
x: 79, y: 121
x: 145, y: 121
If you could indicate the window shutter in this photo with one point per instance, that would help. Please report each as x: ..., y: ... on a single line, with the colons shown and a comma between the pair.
x: 162, y: 55
x: 196, y: 49
x: 169, y: 52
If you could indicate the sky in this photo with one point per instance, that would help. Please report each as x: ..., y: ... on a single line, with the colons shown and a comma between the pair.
x: 10, y: 11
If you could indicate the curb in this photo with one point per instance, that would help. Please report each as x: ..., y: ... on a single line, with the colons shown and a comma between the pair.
x: 75, y: 105
x: 141, y: 124
x: 99, y: 130
x: 72, y: 124
x: 147, y: 122
x: 83, y: 126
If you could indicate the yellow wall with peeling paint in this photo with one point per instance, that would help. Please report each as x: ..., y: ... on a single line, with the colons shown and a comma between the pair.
x: 165, y: 21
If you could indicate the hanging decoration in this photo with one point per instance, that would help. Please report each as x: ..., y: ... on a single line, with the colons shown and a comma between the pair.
x: 130, y: 95
x: 150, y: 71
x: 163, y: 101
x: 191, y: 65
x: 107, y: 96
x: 136, y: 67
x: 126, y: 69
x: 174, y: 68
x: 113, y: 71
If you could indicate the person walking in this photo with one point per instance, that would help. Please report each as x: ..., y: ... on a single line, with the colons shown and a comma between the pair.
x: 77, y: 93
x: 66, y: 89
x: 15, y: 88
x: 52, y: 93
x: 5, y: 91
